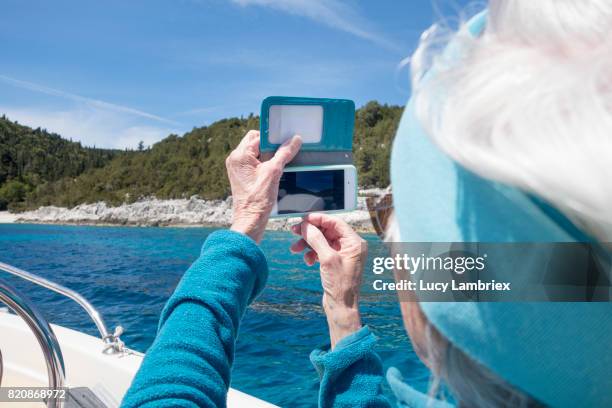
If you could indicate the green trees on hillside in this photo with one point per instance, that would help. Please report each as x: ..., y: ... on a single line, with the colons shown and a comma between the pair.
x: 53, y: 171
x: 32, y: 157
x: 375, y: 127
x: 13, y: 192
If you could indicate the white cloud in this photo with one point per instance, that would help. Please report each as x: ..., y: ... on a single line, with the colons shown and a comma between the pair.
x: 95, y: 103
x: 91, y: 121
x: 90, y: 125
x: 333, y: 13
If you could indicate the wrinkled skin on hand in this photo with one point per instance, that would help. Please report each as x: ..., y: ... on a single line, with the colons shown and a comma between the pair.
x: 254, y: 183
x: 341, y: 253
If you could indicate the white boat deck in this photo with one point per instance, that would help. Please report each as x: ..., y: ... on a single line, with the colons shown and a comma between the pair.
x: 107, y: 375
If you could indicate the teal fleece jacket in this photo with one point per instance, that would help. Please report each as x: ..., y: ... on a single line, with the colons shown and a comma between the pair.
x: 190, y: 361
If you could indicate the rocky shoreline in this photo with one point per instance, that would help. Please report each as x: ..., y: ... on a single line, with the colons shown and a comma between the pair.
x: 192, y: 212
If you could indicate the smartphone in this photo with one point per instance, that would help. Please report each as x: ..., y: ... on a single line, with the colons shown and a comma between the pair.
x: 308, y: 189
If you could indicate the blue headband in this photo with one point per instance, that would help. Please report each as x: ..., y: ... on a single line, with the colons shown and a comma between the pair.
x: 559, y: 353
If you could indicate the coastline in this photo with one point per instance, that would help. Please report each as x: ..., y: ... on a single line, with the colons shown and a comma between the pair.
x: 152, y: 212
x: 7, y: 217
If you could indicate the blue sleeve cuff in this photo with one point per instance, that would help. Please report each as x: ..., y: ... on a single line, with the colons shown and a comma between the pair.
x: 354, y: 338
x: 347, y: 351
x: 351, y: 374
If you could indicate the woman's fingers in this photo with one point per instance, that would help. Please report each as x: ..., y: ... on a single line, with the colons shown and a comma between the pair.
x: 298, y: 246
x: 334, y: 227
x: 297, y: 229
x: 310, y: 258
x: 287, y: 151
x: 316, y: 240
x: 326, y: 236
x: 250, y: 143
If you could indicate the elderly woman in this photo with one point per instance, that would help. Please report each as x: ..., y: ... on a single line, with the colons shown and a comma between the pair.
x: 506, y: 139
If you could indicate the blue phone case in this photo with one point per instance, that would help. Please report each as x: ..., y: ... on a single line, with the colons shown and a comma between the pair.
x: 336, y: 144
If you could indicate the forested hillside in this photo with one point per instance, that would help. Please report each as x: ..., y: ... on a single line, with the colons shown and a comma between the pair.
x: 173, y: 168
x: 33, y: 157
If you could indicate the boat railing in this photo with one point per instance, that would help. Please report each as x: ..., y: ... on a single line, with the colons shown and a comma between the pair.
x: 112, y: 341
x: 43, y: 332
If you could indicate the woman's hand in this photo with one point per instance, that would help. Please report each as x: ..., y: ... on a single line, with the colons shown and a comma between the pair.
x: 255, y: 184
x: 342, y: 254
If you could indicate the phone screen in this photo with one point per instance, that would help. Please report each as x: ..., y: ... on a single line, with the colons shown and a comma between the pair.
x: 306, y: 191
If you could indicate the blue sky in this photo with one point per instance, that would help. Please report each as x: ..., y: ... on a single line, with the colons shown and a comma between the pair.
x: 112, y: 73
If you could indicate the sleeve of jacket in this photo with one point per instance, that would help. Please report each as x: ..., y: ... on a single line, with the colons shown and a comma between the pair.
x: 352, y: 374
x: 190, y: 361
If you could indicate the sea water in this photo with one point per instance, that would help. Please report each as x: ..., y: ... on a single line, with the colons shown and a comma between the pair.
x: 129, y: 273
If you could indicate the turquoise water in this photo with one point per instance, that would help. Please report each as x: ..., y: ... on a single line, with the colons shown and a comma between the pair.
x: 129, y: 273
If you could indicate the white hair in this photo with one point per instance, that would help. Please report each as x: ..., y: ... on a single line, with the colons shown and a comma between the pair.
x: 529, y: 102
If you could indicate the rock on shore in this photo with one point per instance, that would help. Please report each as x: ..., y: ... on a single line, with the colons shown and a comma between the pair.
x: 179, y: 212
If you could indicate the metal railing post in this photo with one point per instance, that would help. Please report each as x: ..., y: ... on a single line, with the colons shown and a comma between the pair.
x: 43, y: 333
